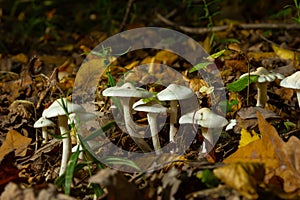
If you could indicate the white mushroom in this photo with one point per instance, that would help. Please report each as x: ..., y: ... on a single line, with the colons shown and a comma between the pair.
x: 43, y: 123
x: 207, y: 119
x: 262, y: 83
x: 125, y: 93
x: 174, y: 93
x: 61, y: 108
x: 293, y: 82
x: 153, y: 110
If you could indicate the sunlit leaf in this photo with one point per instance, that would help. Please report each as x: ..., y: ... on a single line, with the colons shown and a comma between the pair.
x: 200, y: 66
x: 241, y: 83
x: 247, y: 137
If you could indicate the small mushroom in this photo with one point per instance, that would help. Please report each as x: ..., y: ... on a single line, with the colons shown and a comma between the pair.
x: 262, y: 83
x: 207, y: 119
x: 153, y: 110
x: 174, y: 93
x: 293, y: 82
x: 125, y: 93
x: 43, y: 123
x: 56, y: 109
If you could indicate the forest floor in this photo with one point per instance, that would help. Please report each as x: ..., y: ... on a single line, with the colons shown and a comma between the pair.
x: 255, y: 155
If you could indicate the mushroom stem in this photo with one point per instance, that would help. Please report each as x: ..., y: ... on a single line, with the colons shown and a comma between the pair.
x: 208, y: 135
x: 173, y: 119
x: 64, y: 131
x: 298, y: 96
x: 154, y: 132
x: 130, y: 126
x: 44, y: 135
x: 261, y: 94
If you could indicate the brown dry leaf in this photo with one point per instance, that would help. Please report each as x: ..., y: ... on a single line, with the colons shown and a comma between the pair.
x: 285, y: 93
x: 278, y: 157
x: 14, y: 142
x: 237, y: 65
x: 243, y: 177
x: 117, y: 185
x: 22, y: 58
x: 258, y: 56
x: 166, y: 57
x: 13, y: 191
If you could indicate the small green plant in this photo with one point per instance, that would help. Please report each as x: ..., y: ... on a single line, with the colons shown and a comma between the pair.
x: 294, y: 9
x: 209, y: 15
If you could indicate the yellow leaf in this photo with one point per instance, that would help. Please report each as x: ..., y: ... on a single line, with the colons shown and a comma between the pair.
x: 280, y: 158
x: 243, y: 177
x: 166, y: 57
x: 247, y: 137
x: 14, y: 142
x: 284, y: 53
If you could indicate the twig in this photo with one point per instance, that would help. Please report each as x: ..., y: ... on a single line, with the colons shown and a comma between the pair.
x: 125, y: 19
x: 224, y: 27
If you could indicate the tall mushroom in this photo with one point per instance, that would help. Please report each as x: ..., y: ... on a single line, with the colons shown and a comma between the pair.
x: 152, y: 110
x: 61, y: 108
x: 293, y: 81
x: 174, y: 93
x: 125, y: 93
x: 43, y: 123
x: 264, y: 77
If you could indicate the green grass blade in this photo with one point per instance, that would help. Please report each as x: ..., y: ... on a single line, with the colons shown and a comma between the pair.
x: 70, y: 171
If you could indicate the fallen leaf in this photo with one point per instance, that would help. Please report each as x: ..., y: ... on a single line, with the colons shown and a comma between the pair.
x: 166, y: 57
x: 14, y: 142
x: 247, y: 137
x: 284, y: 53
x: 280, y: 159
x: 116, y: 184
x: 243, y: 177
x: 285, y: 93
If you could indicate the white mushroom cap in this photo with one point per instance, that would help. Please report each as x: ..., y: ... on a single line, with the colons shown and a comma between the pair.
x: 209, y: 119
x: 149, y: 107
x: 264, y: 75
x: 189, y: 118
x: 175, y: 92
x: 56, y: 108
x: 292, y: 81
x: 43, y: 122
x: 126, y: 90
x: 205, y: 118
x: 81, y: 116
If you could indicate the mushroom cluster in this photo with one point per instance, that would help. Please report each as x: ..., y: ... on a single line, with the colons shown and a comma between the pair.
x: 173, y: 93
x: 65, y: 111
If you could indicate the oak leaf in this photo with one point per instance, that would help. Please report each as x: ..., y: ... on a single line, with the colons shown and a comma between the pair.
x: 14, y: 142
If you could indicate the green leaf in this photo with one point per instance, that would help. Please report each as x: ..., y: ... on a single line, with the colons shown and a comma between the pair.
x: 208, y: 178
x: 70, y: 171
x: 199, y: 66
x: 97, y: 189
x: 241, y: 83
x: 120, y: 161
x: 217, y: 54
